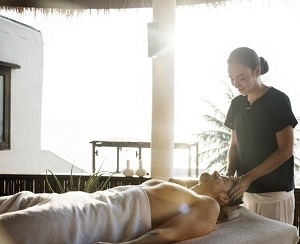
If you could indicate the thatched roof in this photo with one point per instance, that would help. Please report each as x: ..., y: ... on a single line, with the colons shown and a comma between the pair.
x: 61, y: 5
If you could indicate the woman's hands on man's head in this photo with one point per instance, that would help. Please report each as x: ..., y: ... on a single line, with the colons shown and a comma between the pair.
x: 238, y: 190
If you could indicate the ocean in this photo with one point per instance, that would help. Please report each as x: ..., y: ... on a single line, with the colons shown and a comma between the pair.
x: 72, y: 142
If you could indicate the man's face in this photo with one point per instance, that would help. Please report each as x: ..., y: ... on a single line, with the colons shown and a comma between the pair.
x: 216, y: 183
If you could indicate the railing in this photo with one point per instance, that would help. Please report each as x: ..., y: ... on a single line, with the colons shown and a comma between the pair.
x: 139, y: 146
x: 11, y: 184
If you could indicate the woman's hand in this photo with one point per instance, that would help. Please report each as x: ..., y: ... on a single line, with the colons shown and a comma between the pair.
x: 238, y: 190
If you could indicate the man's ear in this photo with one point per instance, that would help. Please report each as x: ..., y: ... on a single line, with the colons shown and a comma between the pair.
x: 223, y: 199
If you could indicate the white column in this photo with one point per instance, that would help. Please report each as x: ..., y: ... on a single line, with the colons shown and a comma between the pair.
x: 162, y: 135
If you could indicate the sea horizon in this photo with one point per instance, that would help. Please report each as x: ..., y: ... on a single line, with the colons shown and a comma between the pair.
x: 72, y: 142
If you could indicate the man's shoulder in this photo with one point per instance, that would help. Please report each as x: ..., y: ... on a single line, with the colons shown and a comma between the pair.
x: 153, y: 182
x: 206, y: 202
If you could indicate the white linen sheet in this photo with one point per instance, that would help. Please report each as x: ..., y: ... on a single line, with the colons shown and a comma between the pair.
x: 246, y: 227
x: 113, y: 215
x: 74, y: 219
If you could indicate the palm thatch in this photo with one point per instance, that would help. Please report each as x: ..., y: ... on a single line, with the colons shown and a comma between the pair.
x: 70, y: 6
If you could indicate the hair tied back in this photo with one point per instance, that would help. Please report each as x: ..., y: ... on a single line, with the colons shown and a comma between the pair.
x: 264, y: 66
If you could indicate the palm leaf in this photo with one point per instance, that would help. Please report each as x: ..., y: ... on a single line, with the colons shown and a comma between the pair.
x: 215, y: 140
x: 214, y: 121
x: 229, y: 94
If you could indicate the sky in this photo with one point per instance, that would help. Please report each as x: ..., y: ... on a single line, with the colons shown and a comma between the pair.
x: 96, y: 67
x: 108, y: 54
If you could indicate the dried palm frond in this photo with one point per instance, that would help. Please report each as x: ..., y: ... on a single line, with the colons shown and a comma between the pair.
x: 69, y: 7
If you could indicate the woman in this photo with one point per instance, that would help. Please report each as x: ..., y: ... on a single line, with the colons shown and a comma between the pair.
x: 261, y: 149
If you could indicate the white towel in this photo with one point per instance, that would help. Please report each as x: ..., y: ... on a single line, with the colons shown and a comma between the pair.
x: 113, y: 215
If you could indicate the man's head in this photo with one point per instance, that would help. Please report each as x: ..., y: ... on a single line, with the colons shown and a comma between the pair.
x: 218, y: 186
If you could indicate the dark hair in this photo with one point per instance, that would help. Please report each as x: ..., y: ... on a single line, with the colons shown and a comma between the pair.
x: 224, y: 210
x: 235, y: 202
x: 248, y: 57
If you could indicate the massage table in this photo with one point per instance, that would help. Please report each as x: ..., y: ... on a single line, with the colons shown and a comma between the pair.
x: 246, y: 227
x: 78, y: 213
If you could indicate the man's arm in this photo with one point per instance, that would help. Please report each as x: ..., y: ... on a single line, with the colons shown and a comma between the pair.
x: 198, y: 221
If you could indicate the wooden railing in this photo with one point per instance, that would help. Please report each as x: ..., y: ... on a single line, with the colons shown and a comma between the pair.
x: 11, y: 184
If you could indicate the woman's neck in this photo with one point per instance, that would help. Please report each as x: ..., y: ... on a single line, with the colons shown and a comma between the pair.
x: 260, y: 90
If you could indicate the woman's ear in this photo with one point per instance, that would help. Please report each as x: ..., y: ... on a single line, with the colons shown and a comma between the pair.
x: 257, y: 70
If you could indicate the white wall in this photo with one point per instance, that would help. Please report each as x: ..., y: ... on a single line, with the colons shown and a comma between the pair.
x: 23, y: 45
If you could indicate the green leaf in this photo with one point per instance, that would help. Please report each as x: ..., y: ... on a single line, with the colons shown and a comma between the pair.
x: 56, y: 180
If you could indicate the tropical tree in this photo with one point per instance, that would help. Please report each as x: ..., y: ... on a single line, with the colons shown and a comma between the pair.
x: 214, y: 142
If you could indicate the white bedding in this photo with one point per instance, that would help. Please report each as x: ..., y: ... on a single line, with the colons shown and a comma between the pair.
x: 246, y: 227
x: 74, y: 217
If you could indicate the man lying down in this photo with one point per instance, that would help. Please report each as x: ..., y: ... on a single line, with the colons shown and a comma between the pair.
x: 154, y: 212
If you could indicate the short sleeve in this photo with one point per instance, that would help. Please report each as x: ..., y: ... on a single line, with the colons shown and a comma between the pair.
x: 284, y: 114
x: 229, y: 120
